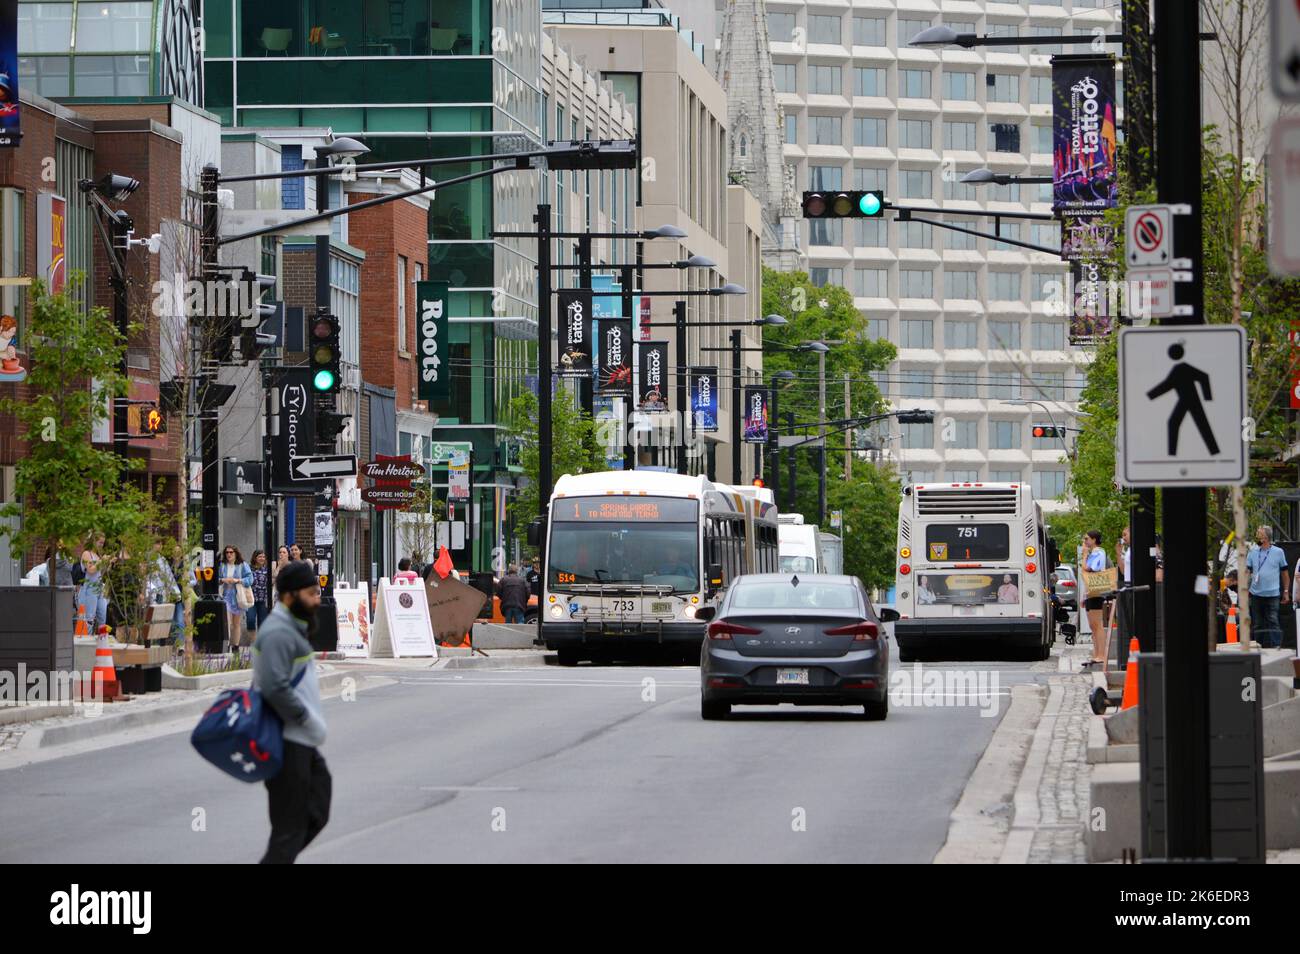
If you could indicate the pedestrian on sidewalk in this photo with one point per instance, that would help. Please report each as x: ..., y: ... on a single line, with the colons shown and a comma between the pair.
x: 1094, y: 561
x: 1270, y: 585
x: 513, y: 593
x: 234, y: 574
x: 404, y: 571
x: 298, y: 798
x: 534, y: 578
x: 261, y: 607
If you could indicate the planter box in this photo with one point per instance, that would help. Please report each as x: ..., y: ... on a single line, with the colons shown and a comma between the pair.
x: 36, y: 627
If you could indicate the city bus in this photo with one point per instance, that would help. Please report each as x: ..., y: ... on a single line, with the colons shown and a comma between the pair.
x: 631, y: 556
x: 973, y: 561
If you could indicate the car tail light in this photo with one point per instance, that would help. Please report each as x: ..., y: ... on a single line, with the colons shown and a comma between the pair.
x: 1069, y: 583
x: 721, y: 629
x: 860, y: 632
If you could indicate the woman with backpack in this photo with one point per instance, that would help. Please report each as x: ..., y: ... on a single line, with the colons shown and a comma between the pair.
x: 236, y: 593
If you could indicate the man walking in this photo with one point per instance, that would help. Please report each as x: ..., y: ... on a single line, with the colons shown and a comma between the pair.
x: 1266, y: 570
x: 299, y: 796
x: 513, y: 592
x: 534, y: 578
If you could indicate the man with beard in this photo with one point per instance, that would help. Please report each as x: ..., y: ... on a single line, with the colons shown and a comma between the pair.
x: 284, y: 671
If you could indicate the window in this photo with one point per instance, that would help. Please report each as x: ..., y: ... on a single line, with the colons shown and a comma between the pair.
x: 869, y: 31
x: 1046, y: 234
x: 1004, y: 386
x: 825, y: 80
x: 1040, y: 89
x: 953, y: 189
x: 46, y: 28
x: 1004, y: 476
x: 1043, y: 139
x: 959, y: 241
x: 401, y: 303
x: 914, y: 84
x: 872, y: 233
x: 1004, y: 435
x: 1004, y: 335
x: 959, y: 136
x: 1048, y: 484
x: 916, y: 183
x: 1004, y: 29
x: 961, y: 384
x: 1005, y: 137
x: 113, y: 27
x: 1009, y: 230
x: 825, y: 177
x: 915, y: 133
x: 825, y: 130
x: 869, y: 81
x: 915, y: 283
x: 918, y: 477
x: 961, y: 283
x: 1049, y: 335
x: 917, y: 384
x: 871, y: 282
x: 965, y: 435
x: 111, y: 75
x: 963, y: 476
x: 869, y: 131
x: 958, y: 84
x: 997, y: 192
x: 821, y: 277
x: 1003, y: 87
x: 960, y: 334
x: 825, y: 232
x: 780, y: 27
x: 791, y: 129
x: 871, y: 177
x: 878, y: 330
x: 918, y: 436
x: 822, y: 29
x: 345, y: 301
x: 915, y: 235
x: 1049, y: 385
x: 908, y: 29
x: 960, y: 26
x: 1004, y: 286
x: 916, y: 333
x: 785, y: 78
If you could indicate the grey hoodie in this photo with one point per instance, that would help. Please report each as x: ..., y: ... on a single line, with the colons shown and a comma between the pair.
x: 279, y: 654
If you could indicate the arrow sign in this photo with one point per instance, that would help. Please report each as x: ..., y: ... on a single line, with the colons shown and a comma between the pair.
x: 316, y: 468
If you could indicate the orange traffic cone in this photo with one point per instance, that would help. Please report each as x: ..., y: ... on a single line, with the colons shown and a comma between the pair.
x: 1131, y: 676
x: 1232, y: 624
x: 110, y: 689
x: 81, y: 628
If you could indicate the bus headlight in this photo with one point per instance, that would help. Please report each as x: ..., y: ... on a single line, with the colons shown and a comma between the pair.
x: 556, y: 612
x: 688, y: 612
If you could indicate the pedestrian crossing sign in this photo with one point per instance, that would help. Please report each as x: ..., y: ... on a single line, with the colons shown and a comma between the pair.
x: 1183, y: 416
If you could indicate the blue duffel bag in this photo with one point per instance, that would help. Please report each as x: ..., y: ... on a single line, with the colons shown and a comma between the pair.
x: 242, y: 735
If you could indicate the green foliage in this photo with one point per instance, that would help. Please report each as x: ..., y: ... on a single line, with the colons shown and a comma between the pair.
x: 869, y: 500
x: 575, y: 448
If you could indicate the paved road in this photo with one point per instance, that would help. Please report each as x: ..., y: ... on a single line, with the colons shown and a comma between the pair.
x: 546, y: 764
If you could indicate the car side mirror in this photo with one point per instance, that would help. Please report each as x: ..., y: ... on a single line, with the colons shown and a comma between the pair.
x: 705, y: 613
x: 887, y: 615
x: 536, y: 531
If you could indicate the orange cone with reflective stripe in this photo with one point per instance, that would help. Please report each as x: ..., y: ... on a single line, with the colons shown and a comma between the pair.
x: 1232, y: 624
x: 81, y: 628
x: 109, y: 688
x: 1131, y: 676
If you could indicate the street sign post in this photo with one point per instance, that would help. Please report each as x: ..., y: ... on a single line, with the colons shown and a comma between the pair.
x: 1284, y: 61
x: 1284, y: 204
x: 1183, y: 406
x: 1148, y: 235
x: 324, y: 466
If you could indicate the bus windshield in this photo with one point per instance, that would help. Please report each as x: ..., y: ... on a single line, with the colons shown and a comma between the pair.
x: 640, y: 541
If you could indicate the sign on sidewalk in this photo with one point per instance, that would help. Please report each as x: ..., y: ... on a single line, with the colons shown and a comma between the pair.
x: 401, y: 626
x: 1182, y: 407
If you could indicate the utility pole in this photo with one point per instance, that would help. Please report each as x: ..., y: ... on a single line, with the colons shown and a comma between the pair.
x: 848, y: 435
x: 208, y: 423
x: 626, y: 279
x: 790, y: 461
x: 545, y: 480
x: 737, y: 425
x: 821, y: 433
x: 1186, y: 662
x: 679, y: 316
x: 324, y: 497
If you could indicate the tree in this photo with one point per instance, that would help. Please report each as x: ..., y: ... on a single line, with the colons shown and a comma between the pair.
x: 419, y: 522
x: 69, y: 489
x: 575, y: 448
x: 869, y: 502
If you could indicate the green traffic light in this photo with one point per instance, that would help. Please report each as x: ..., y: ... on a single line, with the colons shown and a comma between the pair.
x: 324, y: 380
x: 869, y: 204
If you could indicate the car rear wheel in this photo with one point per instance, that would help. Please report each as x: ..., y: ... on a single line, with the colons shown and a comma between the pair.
x: 712, y: 709
x: 876, y: 711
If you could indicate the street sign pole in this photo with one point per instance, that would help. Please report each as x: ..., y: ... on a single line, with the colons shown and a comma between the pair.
x: 1187, y: 662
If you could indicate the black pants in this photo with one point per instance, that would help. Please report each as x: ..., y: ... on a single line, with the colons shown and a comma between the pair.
x: 299, y: 801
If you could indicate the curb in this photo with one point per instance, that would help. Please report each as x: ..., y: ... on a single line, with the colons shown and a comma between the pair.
x: 527, y: 660
x: 980, y: 826
x: 24, y: 713
x: 1026, y: 815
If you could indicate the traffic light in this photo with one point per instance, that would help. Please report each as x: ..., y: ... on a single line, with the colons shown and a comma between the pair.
x: 869, y: 204
x: 1048, y: 430
x: 145, y: 419
x: 329, y: 425
x: 254, y: 312
x: 324, y: 353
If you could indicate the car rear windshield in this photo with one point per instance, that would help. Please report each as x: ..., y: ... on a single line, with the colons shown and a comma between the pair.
x: 783, y: 596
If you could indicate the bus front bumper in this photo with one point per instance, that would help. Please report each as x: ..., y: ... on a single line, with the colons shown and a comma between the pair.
x: 619, y: 634
x: 1015, y: 631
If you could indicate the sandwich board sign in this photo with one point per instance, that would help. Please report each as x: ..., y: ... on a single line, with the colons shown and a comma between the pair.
x: 401, y: 627
x: 1182, y: 406
x: 352, y: 605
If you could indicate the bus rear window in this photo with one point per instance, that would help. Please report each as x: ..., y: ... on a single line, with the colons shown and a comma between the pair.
x: 963, y: 542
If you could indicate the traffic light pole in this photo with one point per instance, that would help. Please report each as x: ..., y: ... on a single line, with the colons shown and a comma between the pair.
x: 679, y: 317
x: 209, y: 445
x: 737, y: 427
x: 324, y: 498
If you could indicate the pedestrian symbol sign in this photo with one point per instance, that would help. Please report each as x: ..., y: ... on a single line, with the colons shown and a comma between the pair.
x: 1183, y: 412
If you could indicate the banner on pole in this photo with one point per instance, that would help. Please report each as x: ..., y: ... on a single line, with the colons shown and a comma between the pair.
x: 652, y: 381
x: 615, y: 355
x: 1084, y: 173
x: 756, y: 401
x: 10, y: 111
x: 575, y: 335
x: 704, y: 398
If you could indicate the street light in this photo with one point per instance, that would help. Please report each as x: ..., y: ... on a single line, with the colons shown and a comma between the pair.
x: 946, y: 36
x: 987, y: 176
x: 344, y: 147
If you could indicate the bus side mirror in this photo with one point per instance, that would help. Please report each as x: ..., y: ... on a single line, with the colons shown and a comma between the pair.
x: 705, y: 613
x: 536, y: 531
x: 887, y: 615
x: 715, y: 577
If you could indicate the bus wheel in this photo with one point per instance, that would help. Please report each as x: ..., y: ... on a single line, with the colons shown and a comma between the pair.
x: 566, y: 657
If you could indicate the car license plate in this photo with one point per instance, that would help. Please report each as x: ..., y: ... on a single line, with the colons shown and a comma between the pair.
x: 967, y: 610
x: 661, y: 608
x: 792, y: 677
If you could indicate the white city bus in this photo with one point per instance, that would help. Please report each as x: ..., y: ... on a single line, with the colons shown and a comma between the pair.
x: 630, y: 557
x: 972, y: 567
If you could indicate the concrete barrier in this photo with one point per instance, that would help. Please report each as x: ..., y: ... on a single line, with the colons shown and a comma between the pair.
x: 504, y: 635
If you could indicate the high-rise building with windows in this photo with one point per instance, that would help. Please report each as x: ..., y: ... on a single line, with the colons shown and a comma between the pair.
x: 863, y: 110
